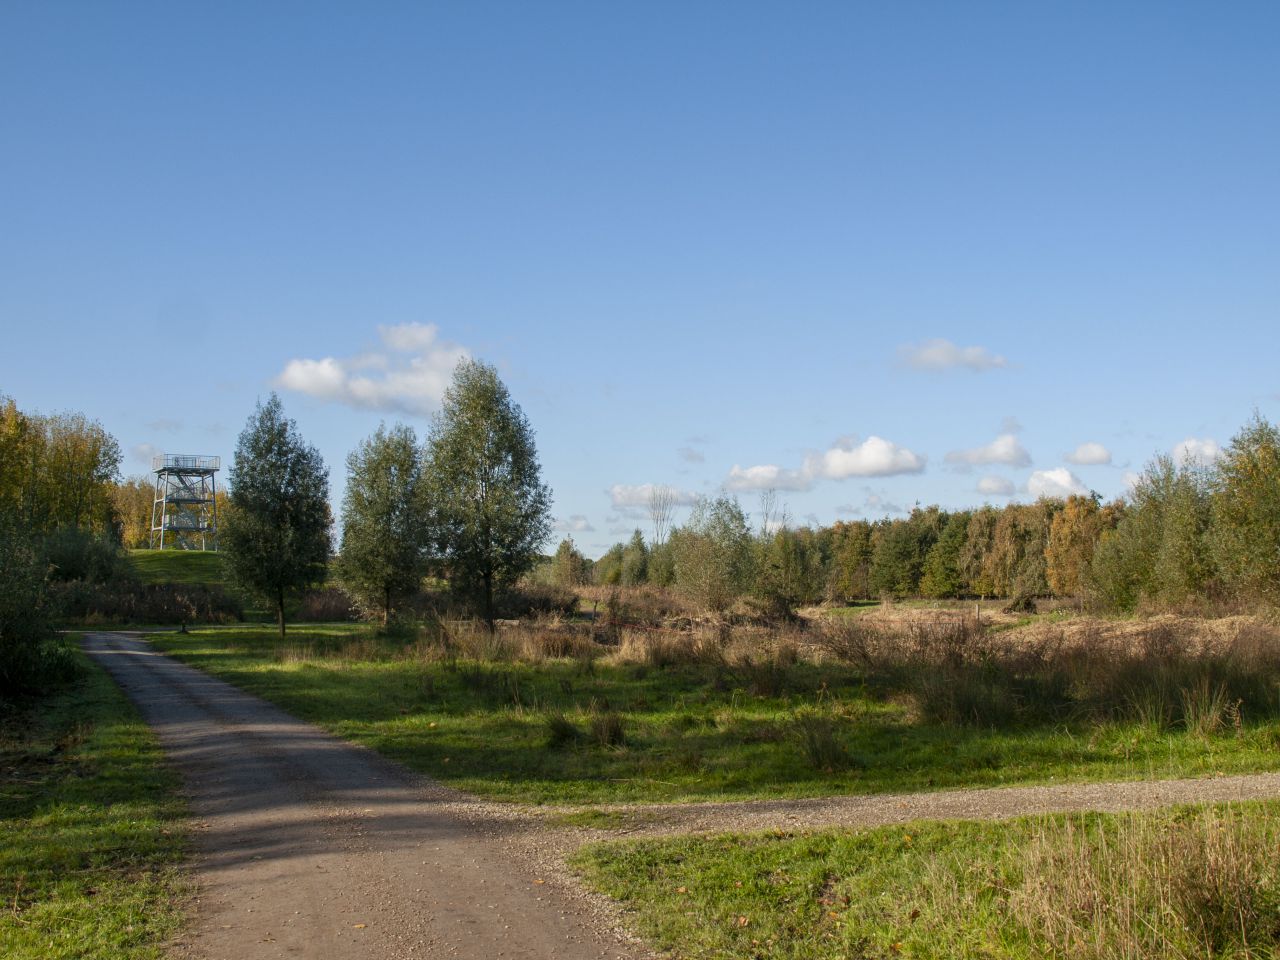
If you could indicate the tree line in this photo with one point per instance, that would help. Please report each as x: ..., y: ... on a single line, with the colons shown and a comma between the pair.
x: 467, y: 505
x: 1186, y: 533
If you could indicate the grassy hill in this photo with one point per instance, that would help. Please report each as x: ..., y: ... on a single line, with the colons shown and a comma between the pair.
x: 178, y: 566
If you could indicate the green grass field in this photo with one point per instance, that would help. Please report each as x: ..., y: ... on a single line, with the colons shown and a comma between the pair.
x: 178, y: 566
x: 91, y: 827
x: 1193, y: 882
x: 568, y: 731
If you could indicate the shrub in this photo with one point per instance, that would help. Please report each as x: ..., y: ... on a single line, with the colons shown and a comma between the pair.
x: 608, y: 728
x: 128, y: 601
x: 326, y: 605
x: 817, y: 735
x: 32, y: 657
x: 561, y: 731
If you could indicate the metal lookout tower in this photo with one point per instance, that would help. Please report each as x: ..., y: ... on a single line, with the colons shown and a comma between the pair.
x: 184, y: 515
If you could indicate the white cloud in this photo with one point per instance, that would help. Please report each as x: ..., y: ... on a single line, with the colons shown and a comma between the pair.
x: 576, y: 523
x: 143, y: 452
x: 1004, y: 449
x: 945, y: 355
x: 623, y: 495
x: 1059, y: 482
x: 1197, y: 451
x: 1132, y: 479
x: 767, y: 476
x: 409, y: 376
x: 874, y: 457
x: 995, y: 486
x: 1089, y: 454
x: 873, y: 503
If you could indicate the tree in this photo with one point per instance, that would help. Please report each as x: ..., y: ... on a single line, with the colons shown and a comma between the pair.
x: 1073, y: 536
x: 661, y: 501
x: 56, y: 471
x: 384, y: 530
x: 942, y: 576
x: 713, y: 553
x: 898, y: 560
x: 276, y: 531
x: 568, y: 566
x: 1158, y: 552
x: 979, y: 541
x: 490, y: 511
x: 131, y: 501
x: 851, y: 561
x: 1246, y: 512
x: 608, y: 569
x: 635, y: 561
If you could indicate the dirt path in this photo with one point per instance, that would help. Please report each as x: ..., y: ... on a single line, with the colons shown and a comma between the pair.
x: 313, y: 847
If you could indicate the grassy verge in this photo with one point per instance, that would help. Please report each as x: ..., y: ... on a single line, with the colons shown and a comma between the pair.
x: 92, y: 830
x: 598, y: 730
x: 1194, y: 882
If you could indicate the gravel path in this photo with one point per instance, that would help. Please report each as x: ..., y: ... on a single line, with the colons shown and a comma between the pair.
x: 314, y: 847
x: 311, y: 847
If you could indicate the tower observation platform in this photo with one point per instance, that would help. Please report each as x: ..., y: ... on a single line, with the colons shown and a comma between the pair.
x: 184, y: 514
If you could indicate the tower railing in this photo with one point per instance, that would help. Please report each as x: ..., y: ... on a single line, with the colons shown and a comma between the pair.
x: 172, y: 461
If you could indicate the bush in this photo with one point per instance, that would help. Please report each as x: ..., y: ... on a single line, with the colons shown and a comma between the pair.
x: 561, y: 731
x: 817, y: 734
x: 608, y: 728
x: 128, y: 601
x: 75, y: 554
x: 326, y: 605
x: 536, y: 599
x: 32, y: 656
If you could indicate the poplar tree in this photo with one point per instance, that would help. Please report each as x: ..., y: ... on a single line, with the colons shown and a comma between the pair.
x: 489, y: 509
x: 384, y: 532
x: 276, y: 533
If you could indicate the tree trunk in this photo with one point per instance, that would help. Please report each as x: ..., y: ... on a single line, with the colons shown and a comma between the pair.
x: 280, y: 612
x: 488, y: 602
x: 386, y: 607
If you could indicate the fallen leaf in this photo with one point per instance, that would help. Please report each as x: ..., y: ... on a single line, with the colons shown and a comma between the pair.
x: 743, y: 921
x: 682, y: 889
x: 358, y: 926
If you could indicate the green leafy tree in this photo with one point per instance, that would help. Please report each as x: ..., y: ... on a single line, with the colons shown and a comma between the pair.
x: 1246, y: 512
x: 789, y: 570
x: 635, y: 561
x: 275, y: 535
x: 979, y: 540
x: 384, y: 530
x: 941, y: 575
x: 898, y: 562
x: 490, y: 510
x: 713, y: 553
x: 851, y: 549
x: 1159, y: 552
x: 568, y: 566
x: 607, y: 571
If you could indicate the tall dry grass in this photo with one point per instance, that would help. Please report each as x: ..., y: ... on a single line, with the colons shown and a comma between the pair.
x: 1206, y: 884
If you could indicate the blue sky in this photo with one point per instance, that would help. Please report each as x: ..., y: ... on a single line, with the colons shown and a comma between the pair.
x: 871, y: 254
